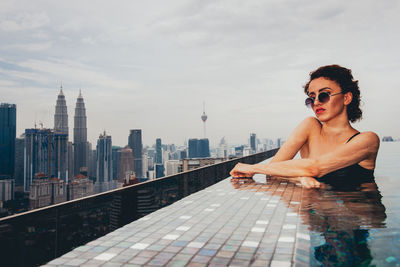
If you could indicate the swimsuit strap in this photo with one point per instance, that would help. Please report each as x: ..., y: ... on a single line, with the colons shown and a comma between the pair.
x: 352, y: 137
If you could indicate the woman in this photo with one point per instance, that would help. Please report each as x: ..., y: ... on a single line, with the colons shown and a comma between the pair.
x: 329, y: 146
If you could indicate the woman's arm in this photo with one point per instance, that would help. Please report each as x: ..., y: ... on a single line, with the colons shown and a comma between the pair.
x: 364, y: 146
x: 296, y: 140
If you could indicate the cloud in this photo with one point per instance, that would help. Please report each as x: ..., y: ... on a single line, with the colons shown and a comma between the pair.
x: 78, y: 72
x: 150, y: 65
x: 23, y: 21
x: 31, y: 47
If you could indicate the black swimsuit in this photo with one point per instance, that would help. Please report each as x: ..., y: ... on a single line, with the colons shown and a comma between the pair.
x: 350, y: 176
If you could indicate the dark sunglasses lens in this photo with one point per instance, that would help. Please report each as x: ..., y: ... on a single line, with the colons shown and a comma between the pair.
x: 323, y: 97
x: 309, y: 102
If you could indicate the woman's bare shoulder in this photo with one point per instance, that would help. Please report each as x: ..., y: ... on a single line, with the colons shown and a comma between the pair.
x: 370, y: 138
x: 311, y: 123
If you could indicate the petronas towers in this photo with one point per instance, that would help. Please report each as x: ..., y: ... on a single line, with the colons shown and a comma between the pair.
x: 61, y: 114
x: 81, y: 151
x: 80, y: 144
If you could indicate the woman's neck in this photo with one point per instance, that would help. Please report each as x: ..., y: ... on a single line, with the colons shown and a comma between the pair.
x: 337, y: 127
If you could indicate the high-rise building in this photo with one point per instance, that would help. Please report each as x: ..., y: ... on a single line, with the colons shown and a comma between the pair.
x: 223, y: 149
x: 81, y: 153
x: 39, y: 156
x: 61, y: 114
x: 61, y: 138
x: 6, y: 188
x: 19, y: 163
x: 253, y: 142
x: 135, y: 143
x: 199, y: 148
x: 46, y: 191
x: 159, y: 170
x: 70, y: 160
x: 193, y: 148
x: 171, y: 167
x: 80, y: 186
x: 8, y: 121
x: 92, y: 163
x: 116, y: 158
x: 104, y: 179
x: 61, y: 156
x: 204, y: 148
x: 126, y: 164
x: 158, y: 151
x: 145, y: 164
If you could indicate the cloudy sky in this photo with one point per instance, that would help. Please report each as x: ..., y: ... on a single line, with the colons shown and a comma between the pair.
x: 151, y: 64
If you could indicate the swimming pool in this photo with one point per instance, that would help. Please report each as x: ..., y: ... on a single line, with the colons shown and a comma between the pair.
x: 358, y: 227
x: 264, y: 223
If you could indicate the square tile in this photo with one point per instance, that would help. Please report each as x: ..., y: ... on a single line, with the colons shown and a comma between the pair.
x: 207, y: 252
x: 140, y: 246
x: 201, y: 259
x: 286, y: 239
x: 171, y: 237
x: 251, y: 244
x: 289, y: 226
x: 275, y: 263
x: 183, y: 228
x: 195, y: 245
x: 258, y: 229
x: 105, y: 256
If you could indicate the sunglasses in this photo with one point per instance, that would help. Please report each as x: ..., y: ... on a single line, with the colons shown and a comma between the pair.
x: 323, y: 97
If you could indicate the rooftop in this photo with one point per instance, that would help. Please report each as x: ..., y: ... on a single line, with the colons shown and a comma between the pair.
x: 252, y: 224
x: 263, y: 223
x: 219, y: 222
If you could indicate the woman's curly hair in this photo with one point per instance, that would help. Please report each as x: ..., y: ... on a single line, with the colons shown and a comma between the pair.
x: 343, y: 77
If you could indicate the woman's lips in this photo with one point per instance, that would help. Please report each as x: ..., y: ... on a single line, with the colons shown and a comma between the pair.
x: 319, y: 110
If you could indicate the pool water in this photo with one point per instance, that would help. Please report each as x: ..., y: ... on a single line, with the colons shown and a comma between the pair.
x: 360, y: 227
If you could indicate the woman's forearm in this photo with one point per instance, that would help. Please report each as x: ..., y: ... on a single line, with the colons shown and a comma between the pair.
x: 289, y: 168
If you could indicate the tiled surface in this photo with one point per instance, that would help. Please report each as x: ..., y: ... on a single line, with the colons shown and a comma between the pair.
x: 223, y: 225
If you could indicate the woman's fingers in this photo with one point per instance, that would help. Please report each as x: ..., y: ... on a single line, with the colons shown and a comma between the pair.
x: 241, y: 170
x: 309, y: 182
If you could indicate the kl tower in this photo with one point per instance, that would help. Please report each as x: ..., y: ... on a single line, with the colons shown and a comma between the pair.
x: 204, y: 118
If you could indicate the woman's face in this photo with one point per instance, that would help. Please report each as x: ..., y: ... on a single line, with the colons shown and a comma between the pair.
x: 332, y: 108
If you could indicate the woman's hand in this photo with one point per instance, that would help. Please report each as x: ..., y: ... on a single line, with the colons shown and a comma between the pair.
x: 309, y: 182
x: 242, y: 170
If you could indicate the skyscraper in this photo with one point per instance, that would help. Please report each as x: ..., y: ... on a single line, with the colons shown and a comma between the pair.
x: 61, y: 115
x: 135, y: 143
x: 222, y: 149
x: 158, y: 151
x: 193, y: 148
x: 8, y: 121
x: 80, y: 136
x: 126, y: 164
x: 199, y: 148
x: 204, y: 148
x: 19, y: 163
x: 253, y: 142
x: 116, y: 159
x: 104, y: 163
x: 61, y: 156
x: 39, y: 156
x: 159, y: 170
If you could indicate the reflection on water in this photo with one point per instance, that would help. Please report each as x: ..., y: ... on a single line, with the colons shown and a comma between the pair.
x: 341, y: 221
x: 348, y: 225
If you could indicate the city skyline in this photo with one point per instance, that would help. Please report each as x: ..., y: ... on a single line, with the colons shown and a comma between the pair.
x: 150, y: 67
